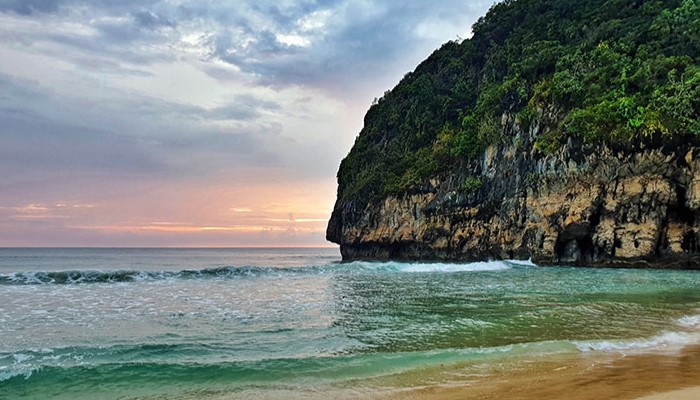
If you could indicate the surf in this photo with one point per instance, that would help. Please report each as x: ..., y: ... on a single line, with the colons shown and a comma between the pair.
x: 72, y: 277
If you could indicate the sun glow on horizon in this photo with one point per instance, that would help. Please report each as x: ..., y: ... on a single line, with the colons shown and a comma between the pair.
x: 197, y: 218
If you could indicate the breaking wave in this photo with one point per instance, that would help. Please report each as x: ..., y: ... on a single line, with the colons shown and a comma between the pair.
x: 98, y: 276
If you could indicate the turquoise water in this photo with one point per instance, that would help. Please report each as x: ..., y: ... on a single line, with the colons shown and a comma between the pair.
x: 297, y: 323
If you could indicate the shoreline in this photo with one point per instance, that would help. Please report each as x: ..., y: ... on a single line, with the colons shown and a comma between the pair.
x: 656, y: 375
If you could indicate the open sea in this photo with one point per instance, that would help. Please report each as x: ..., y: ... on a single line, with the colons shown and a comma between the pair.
x: 298, y: 323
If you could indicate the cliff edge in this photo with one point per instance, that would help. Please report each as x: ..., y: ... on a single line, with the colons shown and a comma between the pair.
x: 576, y: 144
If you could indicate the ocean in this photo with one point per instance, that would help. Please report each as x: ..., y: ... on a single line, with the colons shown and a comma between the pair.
x: 299, y: 323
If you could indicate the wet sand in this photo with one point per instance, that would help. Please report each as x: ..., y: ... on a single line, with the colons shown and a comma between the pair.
x: 683, y: 394
x: 658, y: 376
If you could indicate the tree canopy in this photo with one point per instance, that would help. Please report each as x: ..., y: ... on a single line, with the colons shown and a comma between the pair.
x: 617, y: 71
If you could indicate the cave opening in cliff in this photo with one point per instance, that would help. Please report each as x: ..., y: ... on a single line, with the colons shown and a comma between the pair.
x: 680, y: 211
x: 575, y: 249
x: 690, y: 243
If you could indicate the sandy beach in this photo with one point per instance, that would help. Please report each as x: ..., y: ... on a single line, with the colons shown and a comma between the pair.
x: 657, y: 376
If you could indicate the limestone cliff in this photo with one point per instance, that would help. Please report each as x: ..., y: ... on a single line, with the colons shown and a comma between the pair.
x: 584, y: 204
x: 566, y: 131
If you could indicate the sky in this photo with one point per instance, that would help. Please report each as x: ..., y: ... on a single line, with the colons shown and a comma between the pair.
x: 139, y: 123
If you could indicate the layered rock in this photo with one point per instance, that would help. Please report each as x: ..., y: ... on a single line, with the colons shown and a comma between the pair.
x: 583, y: 205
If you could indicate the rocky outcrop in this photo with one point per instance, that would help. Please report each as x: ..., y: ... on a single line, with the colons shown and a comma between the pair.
x: 581, y: 205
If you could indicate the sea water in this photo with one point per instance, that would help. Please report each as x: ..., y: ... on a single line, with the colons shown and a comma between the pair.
x: 298, y: 323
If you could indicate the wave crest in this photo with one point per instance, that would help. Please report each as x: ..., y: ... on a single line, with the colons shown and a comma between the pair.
x: 96, y: 276
x: 395, y: 266
x: 99, y: 276
x: 665, y: 341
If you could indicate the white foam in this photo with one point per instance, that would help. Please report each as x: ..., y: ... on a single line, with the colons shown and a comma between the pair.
x: 664, y: 341
x: 431, y: 267
x: 524, y: 263
x: 8, y: 375
x: 690, y: 321
x: 143, y: 276
x: 29, y: 277
x: 19, y: 357
x: 439, y: 267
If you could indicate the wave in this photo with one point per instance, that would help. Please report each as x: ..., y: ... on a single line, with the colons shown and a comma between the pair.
x: 395, y: 266
x: 663, y: 341
x: 178, y: 362
x: 522, y: 263
x: 690, y: 321
x: 187, y: 361
x: 688, y: 333
x: 99, y: 276
x: 168, y: 364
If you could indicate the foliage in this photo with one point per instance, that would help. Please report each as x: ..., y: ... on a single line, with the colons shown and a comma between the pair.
x: 619, y: 71
x: 548, y: 142
x: 527, y: 117
x: 467, y: 143
x: 471, y: 184
x: 677, y: 103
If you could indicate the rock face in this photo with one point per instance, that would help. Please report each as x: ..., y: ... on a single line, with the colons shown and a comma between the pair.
x: 583, y: 205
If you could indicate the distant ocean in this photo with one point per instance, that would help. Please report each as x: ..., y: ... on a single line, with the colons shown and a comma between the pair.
x: 298, y: 323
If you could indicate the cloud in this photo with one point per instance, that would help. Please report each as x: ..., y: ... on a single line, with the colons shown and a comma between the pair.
x: 36, y: 142
x: 28, y: 7
x: 33, y: 142
x: 336, y: 44
x: 152, y: 21
x: 324, y: 44
x: 163, y: 109
x: 242, y: 107
x: 44, y: 131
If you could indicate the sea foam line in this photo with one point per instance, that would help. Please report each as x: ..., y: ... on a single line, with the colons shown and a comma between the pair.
x: 98, y: 276
x: 690, y: 321
x: 671, y: 340
x: 397, y: 266
x: 663, y: 341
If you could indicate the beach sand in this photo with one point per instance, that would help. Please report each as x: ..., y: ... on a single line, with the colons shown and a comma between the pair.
x: 683, y: 394
x: 658, y: 376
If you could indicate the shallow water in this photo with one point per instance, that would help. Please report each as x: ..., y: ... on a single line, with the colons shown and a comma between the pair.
x: 296, y: 323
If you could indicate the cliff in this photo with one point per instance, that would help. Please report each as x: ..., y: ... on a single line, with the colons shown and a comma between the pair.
x: 587, y: 205
x: 578, y: 145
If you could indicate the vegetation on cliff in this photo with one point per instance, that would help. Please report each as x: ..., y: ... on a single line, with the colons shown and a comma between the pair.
x: 615, y: 71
